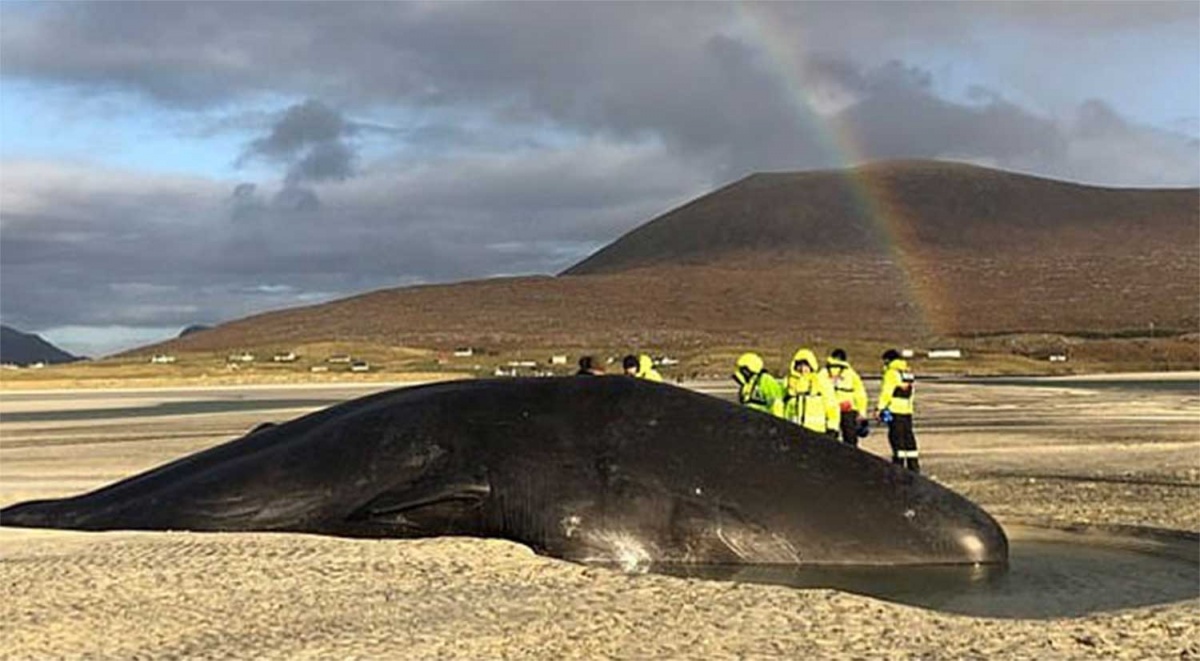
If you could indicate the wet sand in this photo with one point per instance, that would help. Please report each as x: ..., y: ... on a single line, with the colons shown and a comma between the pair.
x: 1105, y: 458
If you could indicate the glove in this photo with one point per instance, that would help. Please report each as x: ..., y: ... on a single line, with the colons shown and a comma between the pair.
x: 885, y: 416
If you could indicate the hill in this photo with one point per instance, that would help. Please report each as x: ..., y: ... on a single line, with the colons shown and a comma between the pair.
x: 17, y: 348
x: 892, y: 252
x: 898, y: 206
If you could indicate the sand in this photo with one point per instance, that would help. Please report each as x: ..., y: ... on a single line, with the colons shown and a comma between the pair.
x: 162, y: 595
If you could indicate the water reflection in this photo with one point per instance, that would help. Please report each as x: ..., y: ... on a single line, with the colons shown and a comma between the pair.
x: 1045, y: 578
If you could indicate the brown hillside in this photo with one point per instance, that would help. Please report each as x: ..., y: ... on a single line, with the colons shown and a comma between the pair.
x: 914, y: 205
x: 781, y: 258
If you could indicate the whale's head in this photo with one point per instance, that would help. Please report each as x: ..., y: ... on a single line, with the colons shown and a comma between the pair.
x: 678, y: 476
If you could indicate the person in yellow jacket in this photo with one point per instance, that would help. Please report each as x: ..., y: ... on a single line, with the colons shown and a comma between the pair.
x: 896, y: 409
x: 757, y: 389
x: 808, y: 398
x: 641, y: 367
x: 850, y: 393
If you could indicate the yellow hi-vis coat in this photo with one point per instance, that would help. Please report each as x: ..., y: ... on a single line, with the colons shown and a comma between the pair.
x: 762, y: 393
x: 757, y: 389
x: 847, y: 386
x: 646, y: 369
x: 809, y: 399
x: 896, y: 392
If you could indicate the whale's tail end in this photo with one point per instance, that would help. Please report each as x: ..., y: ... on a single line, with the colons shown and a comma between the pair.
x: 36, y: 514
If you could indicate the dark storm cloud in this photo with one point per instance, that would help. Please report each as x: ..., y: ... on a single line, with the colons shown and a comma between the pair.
x: 312, y: 141
x: 302, y: 125
x: 557, y: 58
x: 705, y: 79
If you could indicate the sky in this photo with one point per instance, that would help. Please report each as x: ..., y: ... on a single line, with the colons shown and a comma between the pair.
x: 164, y: 164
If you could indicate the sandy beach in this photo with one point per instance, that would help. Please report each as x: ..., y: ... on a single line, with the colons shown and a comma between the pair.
x: 1099, y: 461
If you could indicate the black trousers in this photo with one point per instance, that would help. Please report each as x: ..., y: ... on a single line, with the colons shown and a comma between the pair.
x: 903, y: 442
x: 849, y: 426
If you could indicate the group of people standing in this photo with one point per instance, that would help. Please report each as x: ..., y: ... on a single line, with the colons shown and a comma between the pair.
x: 832, y: 400
x: 640, y: 366
x: 827, y: 399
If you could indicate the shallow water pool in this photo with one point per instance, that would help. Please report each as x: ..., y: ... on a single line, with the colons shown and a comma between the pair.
x: 1051, y: 573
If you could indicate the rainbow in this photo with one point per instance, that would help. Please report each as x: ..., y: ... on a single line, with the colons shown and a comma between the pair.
x: 785, y: 60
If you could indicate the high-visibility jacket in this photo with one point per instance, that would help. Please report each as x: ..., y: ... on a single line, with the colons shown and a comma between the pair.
x: 808, y: 399
x: 646, y: 369
x: 897, y: 391
x: 847, y: 386
x: 761, y: 392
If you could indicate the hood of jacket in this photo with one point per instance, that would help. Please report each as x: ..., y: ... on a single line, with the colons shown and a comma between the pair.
x: 803, y: 356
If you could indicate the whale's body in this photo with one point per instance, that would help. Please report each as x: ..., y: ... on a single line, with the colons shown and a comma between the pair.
x: 603, y: 469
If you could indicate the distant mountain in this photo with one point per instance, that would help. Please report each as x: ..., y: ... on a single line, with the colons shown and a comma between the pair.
x: 17, y: 348
x: 894, y: 252
x: 194, y: 328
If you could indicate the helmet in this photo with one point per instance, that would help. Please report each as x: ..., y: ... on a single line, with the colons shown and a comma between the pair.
x: 629, y: 362
x: 750, y: 361
x: 748, y: 364
x: 838, y: 354
x: 890, y: 355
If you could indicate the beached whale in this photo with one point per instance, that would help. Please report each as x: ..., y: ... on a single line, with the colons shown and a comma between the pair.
x: 599, y: 469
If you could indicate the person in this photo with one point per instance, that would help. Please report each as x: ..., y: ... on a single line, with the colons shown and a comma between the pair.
x: 808, y: 398
x: 587, y: 367
x: 850, y: 393
x: 896, y: 409
x: 641, y: 367
x: 757, y: 389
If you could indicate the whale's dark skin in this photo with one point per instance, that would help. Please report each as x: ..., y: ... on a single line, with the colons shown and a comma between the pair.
x: 603, y: 469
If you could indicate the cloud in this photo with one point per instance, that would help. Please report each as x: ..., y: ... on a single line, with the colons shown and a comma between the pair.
x: 560, y: 60
x: 313, y: 143
x: 301, y: 126
x: 245, y: 202
x: 898, y: 116
x: 744, y: 87
x: 311, y: 139
x: 1104, y: 148
x: 295, y: 199
x: 129, y: 249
